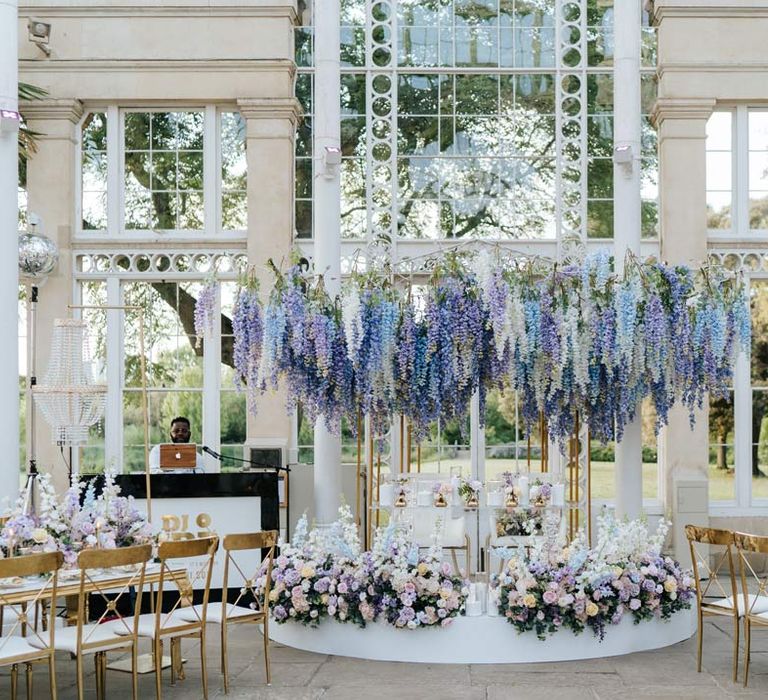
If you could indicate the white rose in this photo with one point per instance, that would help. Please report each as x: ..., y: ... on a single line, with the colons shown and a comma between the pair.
x: 39, y: 535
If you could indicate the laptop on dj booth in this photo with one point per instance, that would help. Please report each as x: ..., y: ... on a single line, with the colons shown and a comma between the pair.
x: 178, y: 456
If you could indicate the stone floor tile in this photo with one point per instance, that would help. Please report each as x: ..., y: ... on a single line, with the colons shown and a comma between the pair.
x: 509, y: 675
x: 340, y: 671
x: 538, y: 692
x: 398, y: 691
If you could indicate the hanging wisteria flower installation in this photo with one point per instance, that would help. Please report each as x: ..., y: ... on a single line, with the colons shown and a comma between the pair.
x: 248, y: 329
x: 205, y: 308
x: 577, y: 340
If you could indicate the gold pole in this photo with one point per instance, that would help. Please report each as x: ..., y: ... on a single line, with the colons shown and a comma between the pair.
x: 378, y: 485
x: 576, y: 466
x: 528, y: 455
x: 369, y: 488
x: 409, y: 448
x: 359, y: 467
x: 143, y: 364
x: 418, y: 458
x: 402, y: 444
x: 589, y: 488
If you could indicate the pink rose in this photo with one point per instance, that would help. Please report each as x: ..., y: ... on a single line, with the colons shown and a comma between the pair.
x: 550, y: 597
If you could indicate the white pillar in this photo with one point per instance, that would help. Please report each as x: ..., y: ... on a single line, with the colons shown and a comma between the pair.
x: 327, y: 226
x: 9, y: 248
x: 627, y: 217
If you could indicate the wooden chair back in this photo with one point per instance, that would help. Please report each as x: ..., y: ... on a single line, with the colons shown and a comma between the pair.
x: 44, y: 564
x: 249, y: 582
x: 134, y: 559
x: 746, y: 545
x: 718, y: 580
x: 168, y: 553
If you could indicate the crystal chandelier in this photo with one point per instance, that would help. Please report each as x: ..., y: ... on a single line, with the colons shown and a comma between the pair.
x: 69, y: 400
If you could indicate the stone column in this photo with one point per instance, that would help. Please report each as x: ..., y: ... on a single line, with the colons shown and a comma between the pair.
x: 9, y: 271
x: 626, y: 224
x: 270, y: 132
x: 681, y: 125
x: 51, y: 187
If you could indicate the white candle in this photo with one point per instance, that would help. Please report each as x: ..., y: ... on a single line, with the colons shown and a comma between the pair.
x: 482, y: 594
x: 493, y: 603
x: 523, y: 486
x: 474, y: 608
x: 494, y: 498
x: 385, y: 495
x: 558, y: 494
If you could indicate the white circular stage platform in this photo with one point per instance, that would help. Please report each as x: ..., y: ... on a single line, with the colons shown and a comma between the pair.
x: 481, y: 640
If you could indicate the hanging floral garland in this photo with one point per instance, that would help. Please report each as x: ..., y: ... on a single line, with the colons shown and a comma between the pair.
x: 578, y: 339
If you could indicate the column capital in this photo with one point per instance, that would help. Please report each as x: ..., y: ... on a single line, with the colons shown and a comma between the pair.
x: 279, y: 108
x: 70, y: 109
x: 686, y: 108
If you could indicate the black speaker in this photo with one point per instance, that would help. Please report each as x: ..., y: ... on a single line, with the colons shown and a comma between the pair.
x: 264, y: 457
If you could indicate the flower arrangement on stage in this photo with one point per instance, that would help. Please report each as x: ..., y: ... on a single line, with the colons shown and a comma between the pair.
x: 520, y: 521
x: 571, y: 340
x: 441, y: 493
x: 78, y: 520
x: 469, y: 490
x: 579, y: 587
x: 415, y: 590
x: 323, y: 574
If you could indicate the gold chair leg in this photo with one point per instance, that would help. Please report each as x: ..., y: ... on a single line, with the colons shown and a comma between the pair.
x: 79, y: 672
x: 29, y: 681
x: 173, y: 660
x: 266, y: 651
x: 134, y: 670
x: 104, y: 674
x: 202, y: 663
x: 747, y: 644
x: 14, y: 681
x: 224, y: 658
x: 158, y: 651
x: 736, y: 649
x: 97, y: 671
x: 52, y: 675
x: 179, y: 662
x: 701, y: 641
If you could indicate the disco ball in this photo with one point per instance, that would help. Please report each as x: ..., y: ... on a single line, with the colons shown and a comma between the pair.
x: 38, y: 256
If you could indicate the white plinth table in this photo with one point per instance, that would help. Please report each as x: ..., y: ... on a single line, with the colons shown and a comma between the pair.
x: 481, y: 640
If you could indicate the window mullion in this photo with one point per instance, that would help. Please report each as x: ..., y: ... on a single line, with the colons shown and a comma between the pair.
x: 740, y: 192
x: 114, y: 158
x: 113, y: 410
x: 210, y: 170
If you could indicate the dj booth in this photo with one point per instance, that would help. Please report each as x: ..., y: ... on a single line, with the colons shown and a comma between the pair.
x: 193, y: 505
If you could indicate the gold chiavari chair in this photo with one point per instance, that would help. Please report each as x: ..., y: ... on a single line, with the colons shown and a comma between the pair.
x: 257, y: 610
x: 119, y: 634
x: 16, y: 649
x: 716, y: 587
x: 168, y: 624
x: 755, y: 604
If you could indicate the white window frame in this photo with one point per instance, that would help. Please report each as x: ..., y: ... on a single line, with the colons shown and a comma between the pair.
x: 743, y: 503
x: 212, y: 231
x: 739, y: 231
x: 113, y: 415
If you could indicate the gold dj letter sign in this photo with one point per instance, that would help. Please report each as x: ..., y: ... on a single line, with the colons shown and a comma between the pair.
x: 176, y: 527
